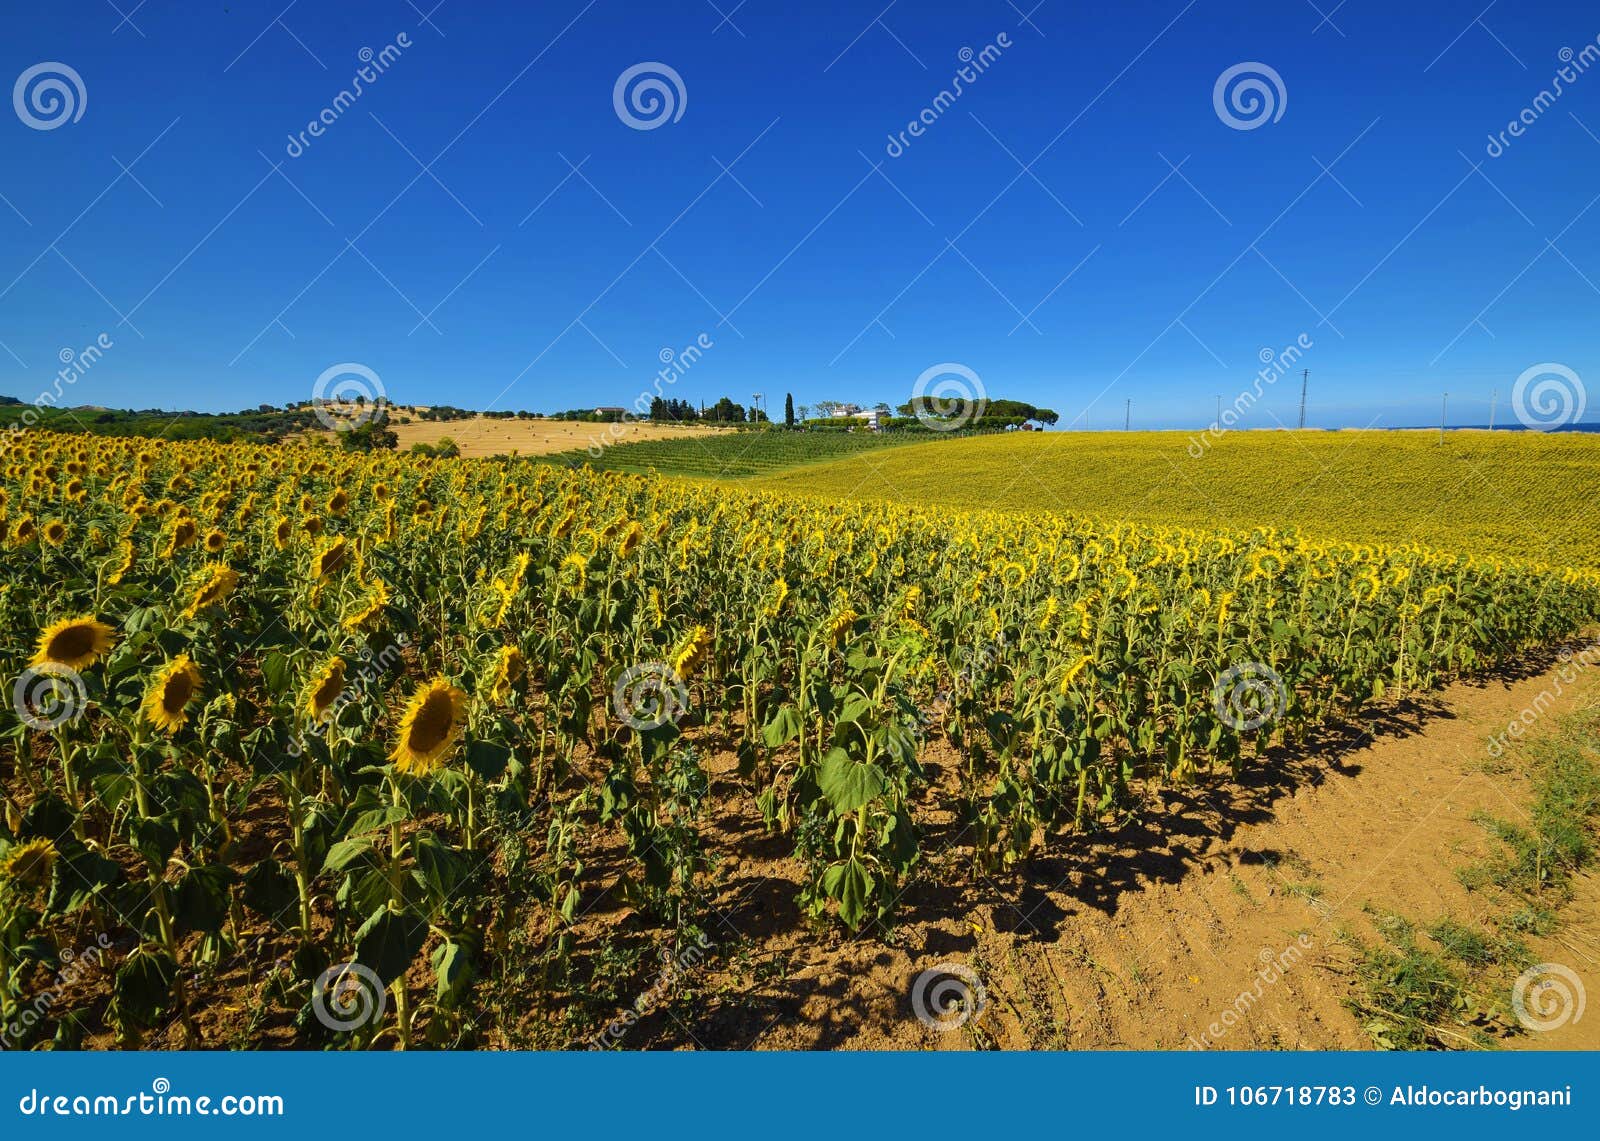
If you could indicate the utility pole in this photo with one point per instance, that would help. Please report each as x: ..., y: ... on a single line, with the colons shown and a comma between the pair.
x: 1127, y: 416
x: 1305, y: 382
x: 1217, y: 423
x: 1494, y: 398
x: 1444, y: 411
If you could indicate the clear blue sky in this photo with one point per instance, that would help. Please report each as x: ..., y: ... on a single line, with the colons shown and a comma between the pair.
x: 809, y: 271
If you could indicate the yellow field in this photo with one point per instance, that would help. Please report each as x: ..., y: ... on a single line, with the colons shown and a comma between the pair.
x: 1514, y: 494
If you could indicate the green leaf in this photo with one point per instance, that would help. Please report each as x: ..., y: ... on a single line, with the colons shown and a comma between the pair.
x: 143, y: 987
x: 201, y: 900
x: 852, y: 885
x: 783, y: 728
x: 269, y: 890
x: 377, y: 819
x: 345, y: 853
x: 389, y: 940
x: 487, y: 759
x: 849, y: 785
x: 452, y: 970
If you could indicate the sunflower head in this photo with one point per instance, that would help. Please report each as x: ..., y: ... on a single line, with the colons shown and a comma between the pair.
x: 690, y: 656
x: 432, y: 722
x: 54, y: 532
x: 166, y: 702
x: 73, y: 642
x: 28, y: 863
x: 325, y: 689
x: 509, y: 668
x: 218, y: 582
x: 215, y: 540
x: 332, y: 558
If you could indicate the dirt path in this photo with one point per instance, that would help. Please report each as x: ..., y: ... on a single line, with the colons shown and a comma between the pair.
x: 1150, y: 942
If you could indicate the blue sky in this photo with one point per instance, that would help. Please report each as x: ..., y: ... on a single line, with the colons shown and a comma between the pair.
x: 1035, y: 233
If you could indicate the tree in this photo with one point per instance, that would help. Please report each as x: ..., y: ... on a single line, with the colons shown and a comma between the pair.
x: 788, y: 410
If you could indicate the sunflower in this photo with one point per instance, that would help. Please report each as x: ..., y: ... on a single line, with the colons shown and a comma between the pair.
x: 28, y: 862
x: 338, y: 503
x: 1072, y: 672
x: 509, y: 669
x: 282, y: 531
x: 119, y: 566
x: 167, y: 700
x: 218, y: 584
x: 691, y: 653
x: 25, y: 532
x: 369, y: 608
x: 54, y: 532
x: 215, y: 540
x: 325, y: 689
x: 775, y: 600
x: 632, y: 536
x: 183, y: 533
x: 839, y: 625
x: 73, y: 642
x: 432, y: 721
x: 333, y: 557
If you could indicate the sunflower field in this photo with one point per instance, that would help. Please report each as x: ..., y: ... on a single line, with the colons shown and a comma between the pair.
x: 359, y: 729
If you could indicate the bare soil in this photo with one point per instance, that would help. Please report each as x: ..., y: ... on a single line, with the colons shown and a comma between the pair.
x: 1146, y: 937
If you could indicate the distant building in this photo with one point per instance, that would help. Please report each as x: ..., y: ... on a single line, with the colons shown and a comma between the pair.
x: 609, y: 410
